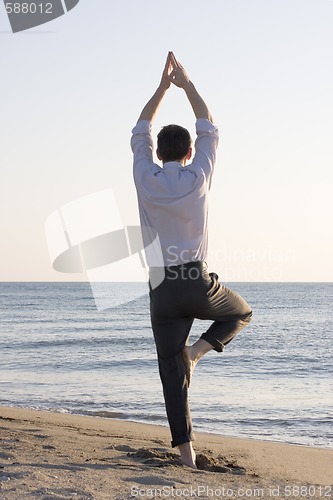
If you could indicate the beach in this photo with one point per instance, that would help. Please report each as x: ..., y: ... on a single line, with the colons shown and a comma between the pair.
x: 48, y: 455
x: 273, y: 382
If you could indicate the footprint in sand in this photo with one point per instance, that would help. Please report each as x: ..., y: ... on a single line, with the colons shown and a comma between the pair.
x: 41, y: 436
x: 5, y: 456
x: 211, y: 464
x: 124, y: 447
x: 151, y: 480
x: 156, y: 458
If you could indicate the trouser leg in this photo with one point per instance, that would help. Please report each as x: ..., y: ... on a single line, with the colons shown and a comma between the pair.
x: 170, y: 335
x: 173, y: 307
x: 175, y: 390
x: 220, y: 333
x: 230, y: 312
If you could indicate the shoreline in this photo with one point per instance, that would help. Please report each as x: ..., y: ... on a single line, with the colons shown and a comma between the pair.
x: 108, y: 416
x: 48, y: 454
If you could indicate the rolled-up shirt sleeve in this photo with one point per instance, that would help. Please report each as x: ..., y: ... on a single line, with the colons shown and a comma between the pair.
x: 205, y: 147
x: 142, y: 142
x: 143, y: 164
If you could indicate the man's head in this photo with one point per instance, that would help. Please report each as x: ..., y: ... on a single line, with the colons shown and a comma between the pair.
x: 174, y: 144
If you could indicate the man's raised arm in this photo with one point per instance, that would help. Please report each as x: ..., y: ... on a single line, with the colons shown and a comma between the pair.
x: 180, y: 78
x: 149, y: 111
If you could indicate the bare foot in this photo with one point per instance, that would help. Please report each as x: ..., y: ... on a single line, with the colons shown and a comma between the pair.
x: 187, y: 455
x: 192, y: 354
x: 189, y: 363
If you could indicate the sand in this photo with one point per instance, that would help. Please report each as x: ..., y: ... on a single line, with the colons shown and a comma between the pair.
x: 46, y: 455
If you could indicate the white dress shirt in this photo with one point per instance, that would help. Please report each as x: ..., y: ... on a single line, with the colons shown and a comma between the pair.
x: 173, y: 200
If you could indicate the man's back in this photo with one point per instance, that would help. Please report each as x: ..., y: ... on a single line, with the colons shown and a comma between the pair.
x: 173, y: 199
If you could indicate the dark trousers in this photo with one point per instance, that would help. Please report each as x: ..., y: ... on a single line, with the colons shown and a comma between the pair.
x: 187, y: 292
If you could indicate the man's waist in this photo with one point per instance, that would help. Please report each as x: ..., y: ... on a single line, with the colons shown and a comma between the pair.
x: 184, y: 269
x: 177, y: 255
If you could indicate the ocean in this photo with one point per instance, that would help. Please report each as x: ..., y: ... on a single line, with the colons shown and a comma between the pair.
x: 273, y: 382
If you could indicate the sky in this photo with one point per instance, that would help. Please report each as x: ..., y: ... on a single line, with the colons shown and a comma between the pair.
x: 72, y: 90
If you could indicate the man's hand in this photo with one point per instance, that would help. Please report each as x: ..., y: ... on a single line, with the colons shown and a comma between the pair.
x: 180, y: 78
x: 166, y: 75
x: 150, y: 109
x: 178, y: 75
x: 175, y: 73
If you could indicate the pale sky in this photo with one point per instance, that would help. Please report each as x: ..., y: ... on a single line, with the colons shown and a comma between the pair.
x: 72, y: 90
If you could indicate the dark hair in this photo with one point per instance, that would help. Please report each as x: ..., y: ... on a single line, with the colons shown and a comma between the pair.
x: 173, y: 142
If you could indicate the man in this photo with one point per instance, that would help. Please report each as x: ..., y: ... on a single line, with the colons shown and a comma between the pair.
x: 173, y: 201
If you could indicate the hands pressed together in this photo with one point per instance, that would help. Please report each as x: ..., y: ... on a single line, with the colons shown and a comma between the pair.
x: 174, y: 73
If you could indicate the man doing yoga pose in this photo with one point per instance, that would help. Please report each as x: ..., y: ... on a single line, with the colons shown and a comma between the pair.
x: 173, y: 201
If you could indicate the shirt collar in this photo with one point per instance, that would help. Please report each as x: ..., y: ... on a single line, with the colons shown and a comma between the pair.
x: 176, y: 164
